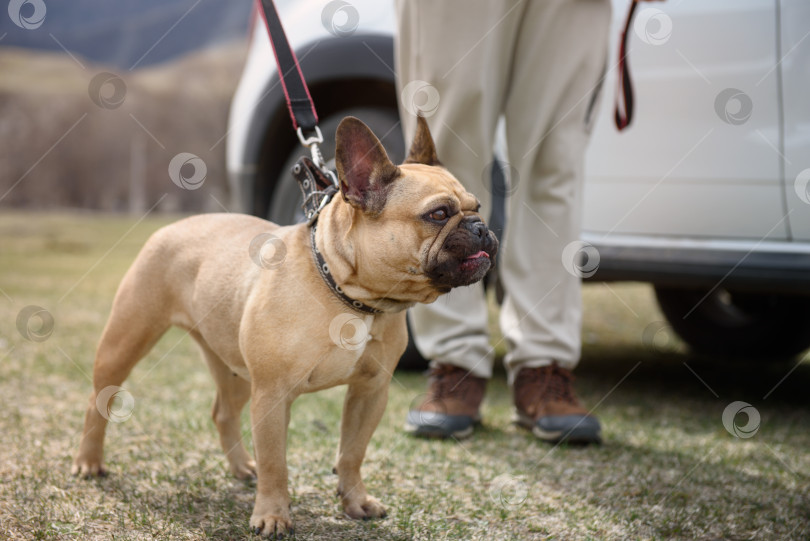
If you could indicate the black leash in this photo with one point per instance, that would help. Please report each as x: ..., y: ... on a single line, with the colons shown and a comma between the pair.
x: 299, y: 101
x: 317, y: 182
x: 303, y: 115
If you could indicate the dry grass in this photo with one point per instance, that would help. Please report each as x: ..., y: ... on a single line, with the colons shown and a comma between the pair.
x: 668, y: 468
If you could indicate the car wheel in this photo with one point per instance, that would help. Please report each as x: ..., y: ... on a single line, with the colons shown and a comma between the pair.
x: 738, y: 324
x: 285, y: 204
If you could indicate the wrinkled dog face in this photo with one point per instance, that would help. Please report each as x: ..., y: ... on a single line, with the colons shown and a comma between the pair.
x: 420, y: 220
x: 459, y: 248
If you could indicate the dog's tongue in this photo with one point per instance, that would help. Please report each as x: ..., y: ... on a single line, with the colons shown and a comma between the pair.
x: 482, y: 253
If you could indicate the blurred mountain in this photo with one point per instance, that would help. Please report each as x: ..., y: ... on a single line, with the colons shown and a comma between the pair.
x: 128, y: 35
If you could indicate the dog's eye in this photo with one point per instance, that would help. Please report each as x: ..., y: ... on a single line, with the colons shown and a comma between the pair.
x: 439, y: 215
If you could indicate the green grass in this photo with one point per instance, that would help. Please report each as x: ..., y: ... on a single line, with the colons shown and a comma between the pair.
x: 668, y: 468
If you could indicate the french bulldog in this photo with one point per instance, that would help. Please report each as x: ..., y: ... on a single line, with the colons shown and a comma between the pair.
x: 393, y: 237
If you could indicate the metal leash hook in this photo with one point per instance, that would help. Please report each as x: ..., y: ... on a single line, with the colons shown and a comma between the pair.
x: 312, y: 143
x: 317, y: 182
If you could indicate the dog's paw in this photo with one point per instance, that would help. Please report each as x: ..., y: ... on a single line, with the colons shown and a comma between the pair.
x: 244, y: 471
x: 88, y: 468
x: 364, y: 508
x: 273, y: 526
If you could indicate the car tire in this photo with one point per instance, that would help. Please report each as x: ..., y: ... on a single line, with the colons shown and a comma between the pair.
x: 738, y: 324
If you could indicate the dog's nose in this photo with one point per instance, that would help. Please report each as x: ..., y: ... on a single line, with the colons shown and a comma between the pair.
x: 475, y: 225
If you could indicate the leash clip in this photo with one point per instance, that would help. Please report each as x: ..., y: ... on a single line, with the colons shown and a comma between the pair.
x: 312, y: 139
x: 312, y: 143
x: 312, y: 215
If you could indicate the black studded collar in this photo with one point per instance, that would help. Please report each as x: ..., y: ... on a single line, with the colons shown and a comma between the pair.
x: 323, y: 270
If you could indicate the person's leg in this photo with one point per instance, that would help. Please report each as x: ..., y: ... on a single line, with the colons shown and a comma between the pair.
x: 453, y: 59
x: 559, y: 61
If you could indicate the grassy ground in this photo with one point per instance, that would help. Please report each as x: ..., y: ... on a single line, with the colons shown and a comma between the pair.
x: 668, y: 468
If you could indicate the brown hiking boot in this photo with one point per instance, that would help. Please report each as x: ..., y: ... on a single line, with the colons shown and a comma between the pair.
x: 450, y: 406
x: 545, y: 403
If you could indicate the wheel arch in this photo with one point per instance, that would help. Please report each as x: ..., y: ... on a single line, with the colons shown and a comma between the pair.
x: 340, y: 73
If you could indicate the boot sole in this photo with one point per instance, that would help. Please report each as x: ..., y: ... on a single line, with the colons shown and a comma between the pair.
x: 435, y: 432
x: 571, y: 435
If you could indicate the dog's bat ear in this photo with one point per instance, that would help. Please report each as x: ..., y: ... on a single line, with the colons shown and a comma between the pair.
x: 363, y: 167
x: 423, y: 150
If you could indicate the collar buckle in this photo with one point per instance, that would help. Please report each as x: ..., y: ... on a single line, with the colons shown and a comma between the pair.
x: 318, y: 186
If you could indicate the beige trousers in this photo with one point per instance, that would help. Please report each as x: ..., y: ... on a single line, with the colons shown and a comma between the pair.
x: 537, y: 63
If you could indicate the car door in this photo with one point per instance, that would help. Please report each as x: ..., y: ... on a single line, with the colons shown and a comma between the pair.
x: 703, y: 156
x: 795, y: 70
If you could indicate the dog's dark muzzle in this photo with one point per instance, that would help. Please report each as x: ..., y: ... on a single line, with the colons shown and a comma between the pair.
x: 479, y: 230
x: 467, y: 254
x: 475, y: 225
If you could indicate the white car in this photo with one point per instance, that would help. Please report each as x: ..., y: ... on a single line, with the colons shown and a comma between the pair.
x: 705, y: 195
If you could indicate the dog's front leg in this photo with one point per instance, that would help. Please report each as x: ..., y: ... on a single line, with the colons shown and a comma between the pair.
x: 270, y: 415
x: 362, y: 411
